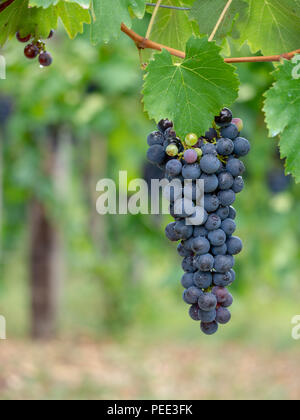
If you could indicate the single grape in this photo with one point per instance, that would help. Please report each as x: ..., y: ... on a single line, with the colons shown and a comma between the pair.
x: 226, y: 197
x: 223, y: 263
x: 221, y: 294
x: 163, y: 125
x: 209, y: 328
x: 191, y: 139
x: 188, y: 265
x: 225, y: 147
x: 183, y: 252
x: 191, y: 171
x: 209, y: 164
x: 188, y: 244
x: 192, y: 294
x: 170, y: 232
x: 156, y: 154
x: 213, y: 222
x: 155, y: 138
x: 230, y: 132
x: 45, y: 59
x: 241, y: 146
x: 206, y: 316
x: 187, y: 280
x: 194, y: 313
x: 173, y: 168
x: 222, y: 279
x: 217, y: 237
x: 225, y: 180
x: 190, y: 156
x: 204, y: 262
x: 234, y: 245
x: 209, y: 149
x: 229, y: 226
x: 31, y: 51
x: 219, y: 250
x: 202, y: 279
x: 223, y: 212
x: 211, y: 182
x: 184, y: 230
x: 172, y: 150
x: 235, y: 167
x: 228, y: 301
x: 23, y: 39
x: 211, y: 134
x: 207, y: 302
x: 224, y: 118
x: 200, y: 245
x: 238, y: 185
x: 223, y: 316
x: 211, y: 203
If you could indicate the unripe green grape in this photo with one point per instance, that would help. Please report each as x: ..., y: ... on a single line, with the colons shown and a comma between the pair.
x: 172, y: 150
x: 199, y: 152
x: 191, y: 139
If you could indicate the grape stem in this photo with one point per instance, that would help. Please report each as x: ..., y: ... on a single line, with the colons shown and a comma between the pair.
x: 153, y: 17
x: 4, y: 5
x: 220, y: 20
x: 144, y: 43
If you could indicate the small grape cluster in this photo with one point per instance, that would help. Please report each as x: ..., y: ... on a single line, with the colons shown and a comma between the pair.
x: 36, y: 48
x: 208, y: 244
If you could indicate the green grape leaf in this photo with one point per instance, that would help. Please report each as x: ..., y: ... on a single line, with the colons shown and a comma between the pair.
x: 190, y: 93
x: 108, y: 18
x: 272, y: 26
x: 207, y: 13
x: 73, y: 17
x: 174, y: 27
x: 39, y: 21
x: 282, y: 114
x: 47, y: 3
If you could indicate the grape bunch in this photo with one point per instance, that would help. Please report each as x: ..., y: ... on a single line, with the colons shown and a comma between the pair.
x: 207, y: 244
x: 36, y: 48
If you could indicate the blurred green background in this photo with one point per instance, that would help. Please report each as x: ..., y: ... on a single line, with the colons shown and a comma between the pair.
x: 122, y: 330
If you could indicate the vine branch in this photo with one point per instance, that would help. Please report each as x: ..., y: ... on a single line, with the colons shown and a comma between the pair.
x: 144, y: 43
x: 153, y: 17
x: 220, y: 20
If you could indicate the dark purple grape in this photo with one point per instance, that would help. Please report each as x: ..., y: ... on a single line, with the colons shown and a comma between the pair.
x: 45, y: 59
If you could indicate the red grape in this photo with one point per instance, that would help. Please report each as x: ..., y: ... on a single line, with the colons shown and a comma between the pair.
x: 31, y: 51
x: 22, y: 39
